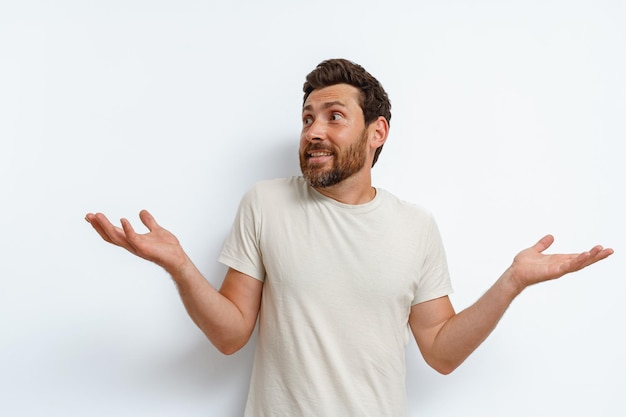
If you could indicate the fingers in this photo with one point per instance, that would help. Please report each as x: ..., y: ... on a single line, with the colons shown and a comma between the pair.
x: 578, y: 263
x: 126, y: 236
x: 131, y: 236
x: 97, y: 221
x: 148, y: 220
x: 597, y: 253
x: 606, y: 253
x: 544, y: 243
x: 128, y: 229
x: 600, y: 253
x: 584, y: 259
x: 108, y: 231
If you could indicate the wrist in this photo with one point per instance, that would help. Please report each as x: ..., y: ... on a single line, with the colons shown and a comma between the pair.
x: 181, y: 269
x: 511, y: 282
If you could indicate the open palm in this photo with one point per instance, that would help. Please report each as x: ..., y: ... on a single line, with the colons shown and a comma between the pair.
x: 158, y: 245
x: 532, y: 266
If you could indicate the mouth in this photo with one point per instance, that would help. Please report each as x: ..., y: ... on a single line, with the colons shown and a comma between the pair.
x: 318, y: 156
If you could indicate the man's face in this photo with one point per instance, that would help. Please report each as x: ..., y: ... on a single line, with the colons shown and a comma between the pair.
x: 334, y: 139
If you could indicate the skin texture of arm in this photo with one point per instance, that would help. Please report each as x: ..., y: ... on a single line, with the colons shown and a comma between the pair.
x: 446, y: 338
x: 227, y: 317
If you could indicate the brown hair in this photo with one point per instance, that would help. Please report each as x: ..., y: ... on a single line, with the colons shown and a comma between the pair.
x: 373, y: 98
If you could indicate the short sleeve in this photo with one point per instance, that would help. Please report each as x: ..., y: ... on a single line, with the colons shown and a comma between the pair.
x: 434, y: 279
x: 241, y: 250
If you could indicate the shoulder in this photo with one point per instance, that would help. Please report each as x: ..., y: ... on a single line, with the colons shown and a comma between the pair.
x: 278, y: 185
x: 403, y: 208
x: 273, y: 191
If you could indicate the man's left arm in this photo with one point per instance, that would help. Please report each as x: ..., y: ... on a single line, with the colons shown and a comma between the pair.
x: 446, y: 338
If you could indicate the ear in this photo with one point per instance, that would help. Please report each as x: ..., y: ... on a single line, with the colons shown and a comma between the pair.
x: 379, y: 132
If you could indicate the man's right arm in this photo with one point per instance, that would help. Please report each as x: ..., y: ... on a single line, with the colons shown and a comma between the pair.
x: 227, y: 317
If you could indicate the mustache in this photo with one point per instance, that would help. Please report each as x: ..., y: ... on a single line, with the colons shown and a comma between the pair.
x: 318, y: 147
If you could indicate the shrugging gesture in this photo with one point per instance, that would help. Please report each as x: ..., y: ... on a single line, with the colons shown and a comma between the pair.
x: 332, y: 323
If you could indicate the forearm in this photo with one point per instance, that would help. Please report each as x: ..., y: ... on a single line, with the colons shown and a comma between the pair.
x: 459, y: 336
x: 450, y: 338
x: 227, y: 318
x: 217, y: 316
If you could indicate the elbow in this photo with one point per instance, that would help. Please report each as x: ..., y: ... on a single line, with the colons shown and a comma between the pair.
x: 227, y: 339
x: 228, y: 350
x: 443, y: 367
x: 229, y: 347
x: 444, y: 370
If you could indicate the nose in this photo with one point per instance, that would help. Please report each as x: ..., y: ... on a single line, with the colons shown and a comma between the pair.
x: 315, y: 131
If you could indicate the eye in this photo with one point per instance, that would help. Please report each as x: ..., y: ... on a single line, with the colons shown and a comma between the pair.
x: 307, y: 120
x: 336, y: 116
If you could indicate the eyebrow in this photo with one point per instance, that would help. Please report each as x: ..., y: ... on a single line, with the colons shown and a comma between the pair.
x: 326, y: 105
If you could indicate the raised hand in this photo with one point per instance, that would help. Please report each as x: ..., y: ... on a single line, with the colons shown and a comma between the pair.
x: 158, y: 245
x: 532, y: 266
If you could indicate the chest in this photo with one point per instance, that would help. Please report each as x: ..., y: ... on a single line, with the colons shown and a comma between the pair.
x: 368, y: 259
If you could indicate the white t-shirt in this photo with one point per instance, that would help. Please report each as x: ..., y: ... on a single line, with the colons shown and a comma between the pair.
x: 339, y: 283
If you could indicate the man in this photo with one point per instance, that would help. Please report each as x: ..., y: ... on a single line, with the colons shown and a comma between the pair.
x: 336, y: 271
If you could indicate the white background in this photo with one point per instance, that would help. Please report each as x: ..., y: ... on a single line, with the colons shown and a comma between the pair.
x: 508, y: 123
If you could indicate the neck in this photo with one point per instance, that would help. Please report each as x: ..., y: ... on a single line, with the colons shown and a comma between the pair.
x: 354, y: 190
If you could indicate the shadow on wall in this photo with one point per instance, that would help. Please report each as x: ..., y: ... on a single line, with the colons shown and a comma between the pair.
x: 189, y: 373
x: 198, y: 372
x: 258, y: 161
x: 280, y: 161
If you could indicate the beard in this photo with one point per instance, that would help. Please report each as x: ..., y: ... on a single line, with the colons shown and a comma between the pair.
x: 345, y: 164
